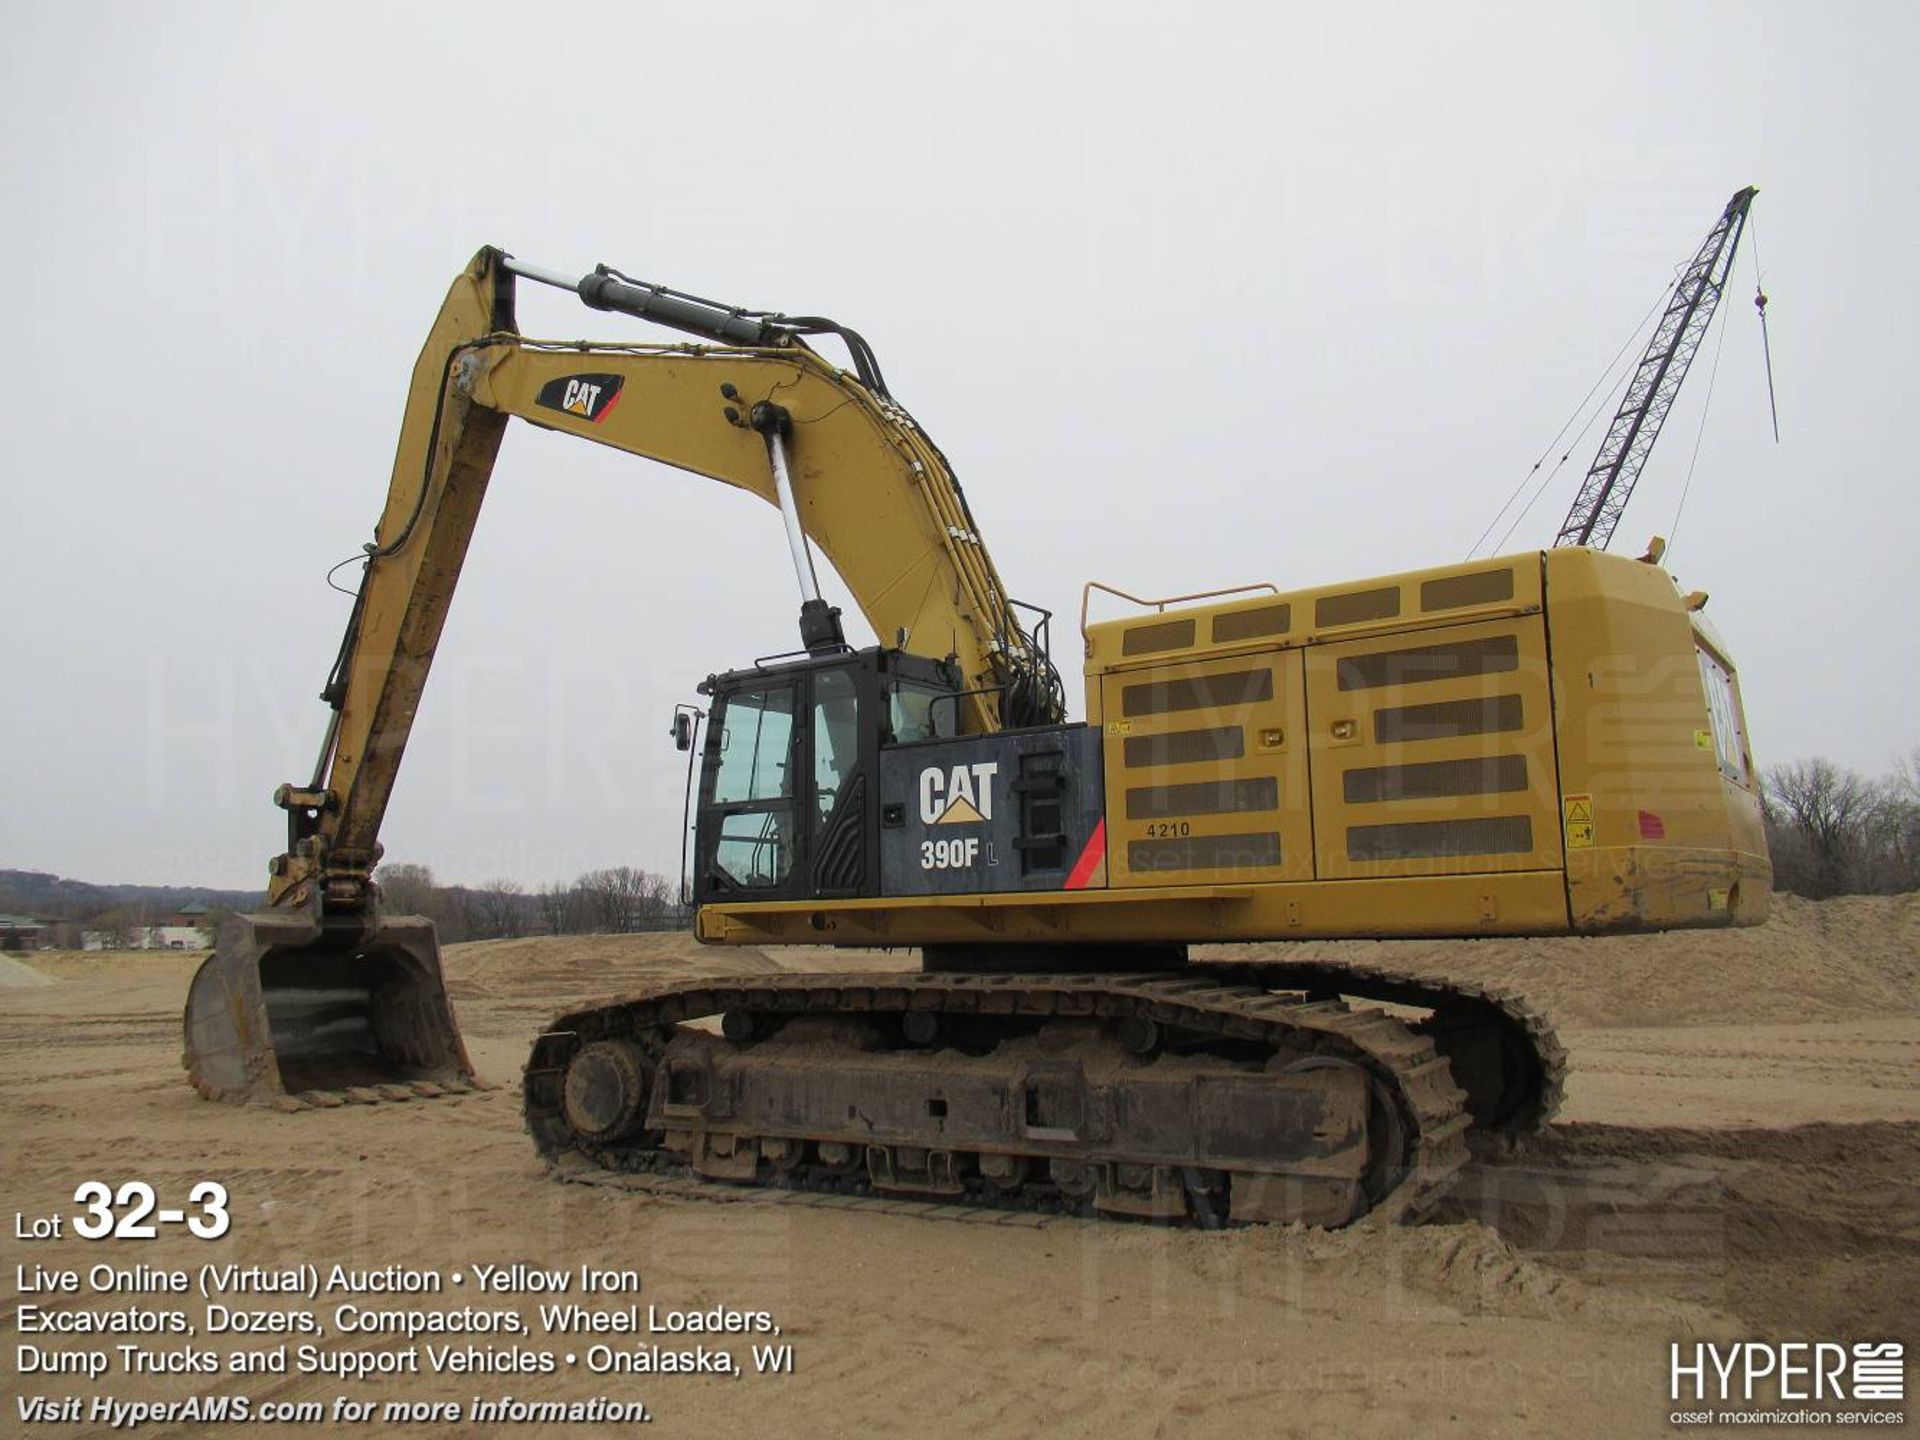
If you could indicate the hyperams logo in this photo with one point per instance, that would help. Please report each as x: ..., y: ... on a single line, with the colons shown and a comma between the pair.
x: 1754, y: 1382
x: 589, y: 397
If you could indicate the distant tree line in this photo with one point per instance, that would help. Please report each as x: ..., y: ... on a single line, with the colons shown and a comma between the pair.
x: 1833, y: 831
x: 619, y: 900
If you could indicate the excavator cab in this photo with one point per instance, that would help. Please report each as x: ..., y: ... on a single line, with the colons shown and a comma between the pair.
x: 847, y: 776
x: 789, y: 786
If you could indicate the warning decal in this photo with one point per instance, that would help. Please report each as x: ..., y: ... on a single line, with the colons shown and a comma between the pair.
x: 1577, y: 811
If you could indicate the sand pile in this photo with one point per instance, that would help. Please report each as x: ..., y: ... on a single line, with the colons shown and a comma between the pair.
x: 18, y: 975
x: 526, y: 982
x: 1838, y: 959
x: 1851, y: 958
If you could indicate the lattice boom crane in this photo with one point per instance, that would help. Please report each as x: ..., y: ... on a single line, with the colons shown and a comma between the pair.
x: 1643, y: 409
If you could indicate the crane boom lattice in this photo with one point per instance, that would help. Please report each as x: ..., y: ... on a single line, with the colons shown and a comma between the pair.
x: 1656, y: 380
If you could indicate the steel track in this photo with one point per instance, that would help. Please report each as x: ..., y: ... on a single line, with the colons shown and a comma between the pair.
x: 1405, y: 1067
x: 1536, y: 1061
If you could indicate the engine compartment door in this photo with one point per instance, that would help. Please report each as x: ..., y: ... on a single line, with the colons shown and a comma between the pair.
x: 1432, y: 752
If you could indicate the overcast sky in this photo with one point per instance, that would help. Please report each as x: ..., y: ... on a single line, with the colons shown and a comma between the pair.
x: 1191, y: 295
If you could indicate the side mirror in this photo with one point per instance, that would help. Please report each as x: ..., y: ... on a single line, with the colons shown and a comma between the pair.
x: 682, y: 731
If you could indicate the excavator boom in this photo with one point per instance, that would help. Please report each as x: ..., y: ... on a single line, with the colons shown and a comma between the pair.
x: 323, y: 986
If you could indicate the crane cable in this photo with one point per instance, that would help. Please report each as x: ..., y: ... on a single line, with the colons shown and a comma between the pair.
x: 1760, y: 305
x: 1472, y: 550
x: 1766, y: 345
x: 1611, y: 399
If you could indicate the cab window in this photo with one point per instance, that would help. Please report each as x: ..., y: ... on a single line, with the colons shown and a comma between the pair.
x: 754, y: 849
x: 1730, y: 746
x: 836, y: 736
x: 914, y: 715
x: 756, y: 735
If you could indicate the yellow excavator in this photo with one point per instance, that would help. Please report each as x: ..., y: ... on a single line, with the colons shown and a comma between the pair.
x: 1545, y: 743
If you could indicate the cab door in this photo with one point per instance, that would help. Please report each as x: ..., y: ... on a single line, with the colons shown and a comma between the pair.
x: 750, y: 840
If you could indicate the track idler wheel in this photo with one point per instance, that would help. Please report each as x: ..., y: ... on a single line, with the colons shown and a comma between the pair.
x: 605, y: 1093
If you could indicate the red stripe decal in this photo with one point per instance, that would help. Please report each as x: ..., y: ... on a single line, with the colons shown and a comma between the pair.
x: 1090, y: 858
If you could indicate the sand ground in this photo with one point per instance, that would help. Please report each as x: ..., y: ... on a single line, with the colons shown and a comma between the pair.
x: 1737, y: 1158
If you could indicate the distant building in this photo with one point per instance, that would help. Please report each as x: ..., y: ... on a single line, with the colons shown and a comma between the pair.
x: 188, y: 928
x: 22, y: 932
x: 171, y: 937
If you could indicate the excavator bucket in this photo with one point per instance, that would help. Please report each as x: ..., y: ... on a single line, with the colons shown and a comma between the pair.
x: 282, y: 1008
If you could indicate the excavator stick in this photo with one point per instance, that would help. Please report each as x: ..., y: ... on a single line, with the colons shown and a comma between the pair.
x: 285, y: 1008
